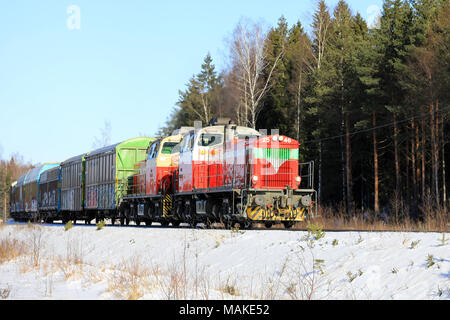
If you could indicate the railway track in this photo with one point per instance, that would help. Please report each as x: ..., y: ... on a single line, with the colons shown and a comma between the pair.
x: 218, y: 226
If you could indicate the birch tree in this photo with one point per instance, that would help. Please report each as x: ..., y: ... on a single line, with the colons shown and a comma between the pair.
x: 247, y: 54
x: 105, y: 136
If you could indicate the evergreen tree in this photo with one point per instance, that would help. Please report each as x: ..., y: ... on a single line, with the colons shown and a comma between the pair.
x: 300, y: 57
x: 319, y: 106
x: 344, y: 40
x: 199, y: 101
x: 394, y: 40
x: 276, y: 108
x: 369, y: 106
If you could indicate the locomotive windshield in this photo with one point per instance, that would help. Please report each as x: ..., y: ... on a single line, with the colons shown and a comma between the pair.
x: 209, y: 139
x: 168, y: 147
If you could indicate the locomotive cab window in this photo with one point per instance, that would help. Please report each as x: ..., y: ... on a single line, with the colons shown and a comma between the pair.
x: 209, y: 139
x: 187, y: 142
x: 183, y: 144
x: 176, y: 148
x: 153, y: 150
x: 168, y: 147
x: 191, y: 141
x: 150, y: 151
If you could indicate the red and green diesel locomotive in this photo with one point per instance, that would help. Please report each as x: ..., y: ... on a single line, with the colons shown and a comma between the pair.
x: 222, y: 173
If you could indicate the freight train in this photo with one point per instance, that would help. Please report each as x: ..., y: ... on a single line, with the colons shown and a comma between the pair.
x: 221, y: 173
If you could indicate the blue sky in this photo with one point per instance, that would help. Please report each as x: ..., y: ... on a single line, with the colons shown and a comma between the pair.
x: 124, y: 64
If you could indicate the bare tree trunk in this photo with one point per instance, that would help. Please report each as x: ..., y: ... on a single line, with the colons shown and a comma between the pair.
x: 245, y: 104
x: 413, y: 160
x: 433, y: 157
x: 444, y: 184
x: 343, y: 166
x: 407, y: 178
x: 299, y: 96
x: 206, y: 108
x: 247, y: 48
x: 423, y: 155
x: 397, y: 162
x: 343, y: 147
x: 436, y: 153
x: 4, y: 208
x: 348, y: 163
x: 375, y: 165
x: 320, y: 173
x: 418, y: 159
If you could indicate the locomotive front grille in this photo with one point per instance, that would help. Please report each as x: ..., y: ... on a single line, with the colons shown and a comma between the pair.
x: 276, y: 167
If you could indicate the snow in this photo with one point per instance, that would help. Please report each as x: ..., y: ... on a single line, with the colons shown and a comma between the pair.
x: 182, y: 263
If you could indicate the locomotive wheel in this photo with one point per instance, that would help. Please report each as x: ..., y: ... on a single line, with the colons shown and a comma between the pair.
x: 164, y: 223
x: 148, y: 222
x: 268, y: 224
x: 226, y: 223
x: 122, y: 221
x: 138, y: 222
x: 176, y: 224
x: 246, y: 225
x: 288, y: 224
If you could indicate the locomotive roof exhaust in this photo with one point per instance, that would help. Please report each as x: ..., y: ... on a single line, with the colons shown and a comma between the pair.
x: 218, y: 121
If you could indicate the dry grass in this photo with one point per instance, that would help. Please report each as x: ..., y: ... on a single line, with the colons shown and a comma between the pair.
x: 5, y: 292
x: 129, y: 280
x: 68, y: 269
x: 230, y: 288
x: 432, y: 220
x: 28, y: 250
x: 11, y: 249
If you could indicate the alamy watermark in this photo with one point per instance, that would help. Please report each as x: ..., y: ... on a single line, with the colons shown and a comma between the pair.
x: 73, y: 21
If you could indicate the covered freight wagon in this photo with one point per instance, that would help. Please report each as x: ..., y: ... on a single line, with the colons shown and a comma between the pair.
x: 49, y: 194
x: 26, y: 193
x: 106, y: 173
x: 12, y: 195
x: 72, y: 186
x: 16, y: 197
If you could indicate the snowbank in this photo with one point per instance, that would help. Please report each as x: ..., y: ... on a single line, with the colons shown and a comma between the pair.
x: 181, y: 263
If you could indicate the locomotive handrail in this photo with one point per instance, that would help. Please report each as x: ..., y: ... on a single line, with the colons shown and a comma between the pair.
x: 310, y: 173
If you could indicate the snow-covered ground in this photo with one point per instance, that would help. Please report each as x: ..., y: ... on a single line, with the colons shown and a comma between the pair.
x: 132, y: 262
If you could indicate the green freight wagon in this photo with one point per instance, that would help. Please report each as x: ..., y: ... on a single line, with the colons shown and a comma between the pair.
x: 106, y: 169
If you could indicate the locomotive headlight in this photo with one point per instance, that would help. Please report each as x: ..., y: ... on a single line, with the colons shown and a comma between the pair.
x: 255, y: 179
x: 280, y: 138
x: 274, y: 138
x: 298, y: 179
